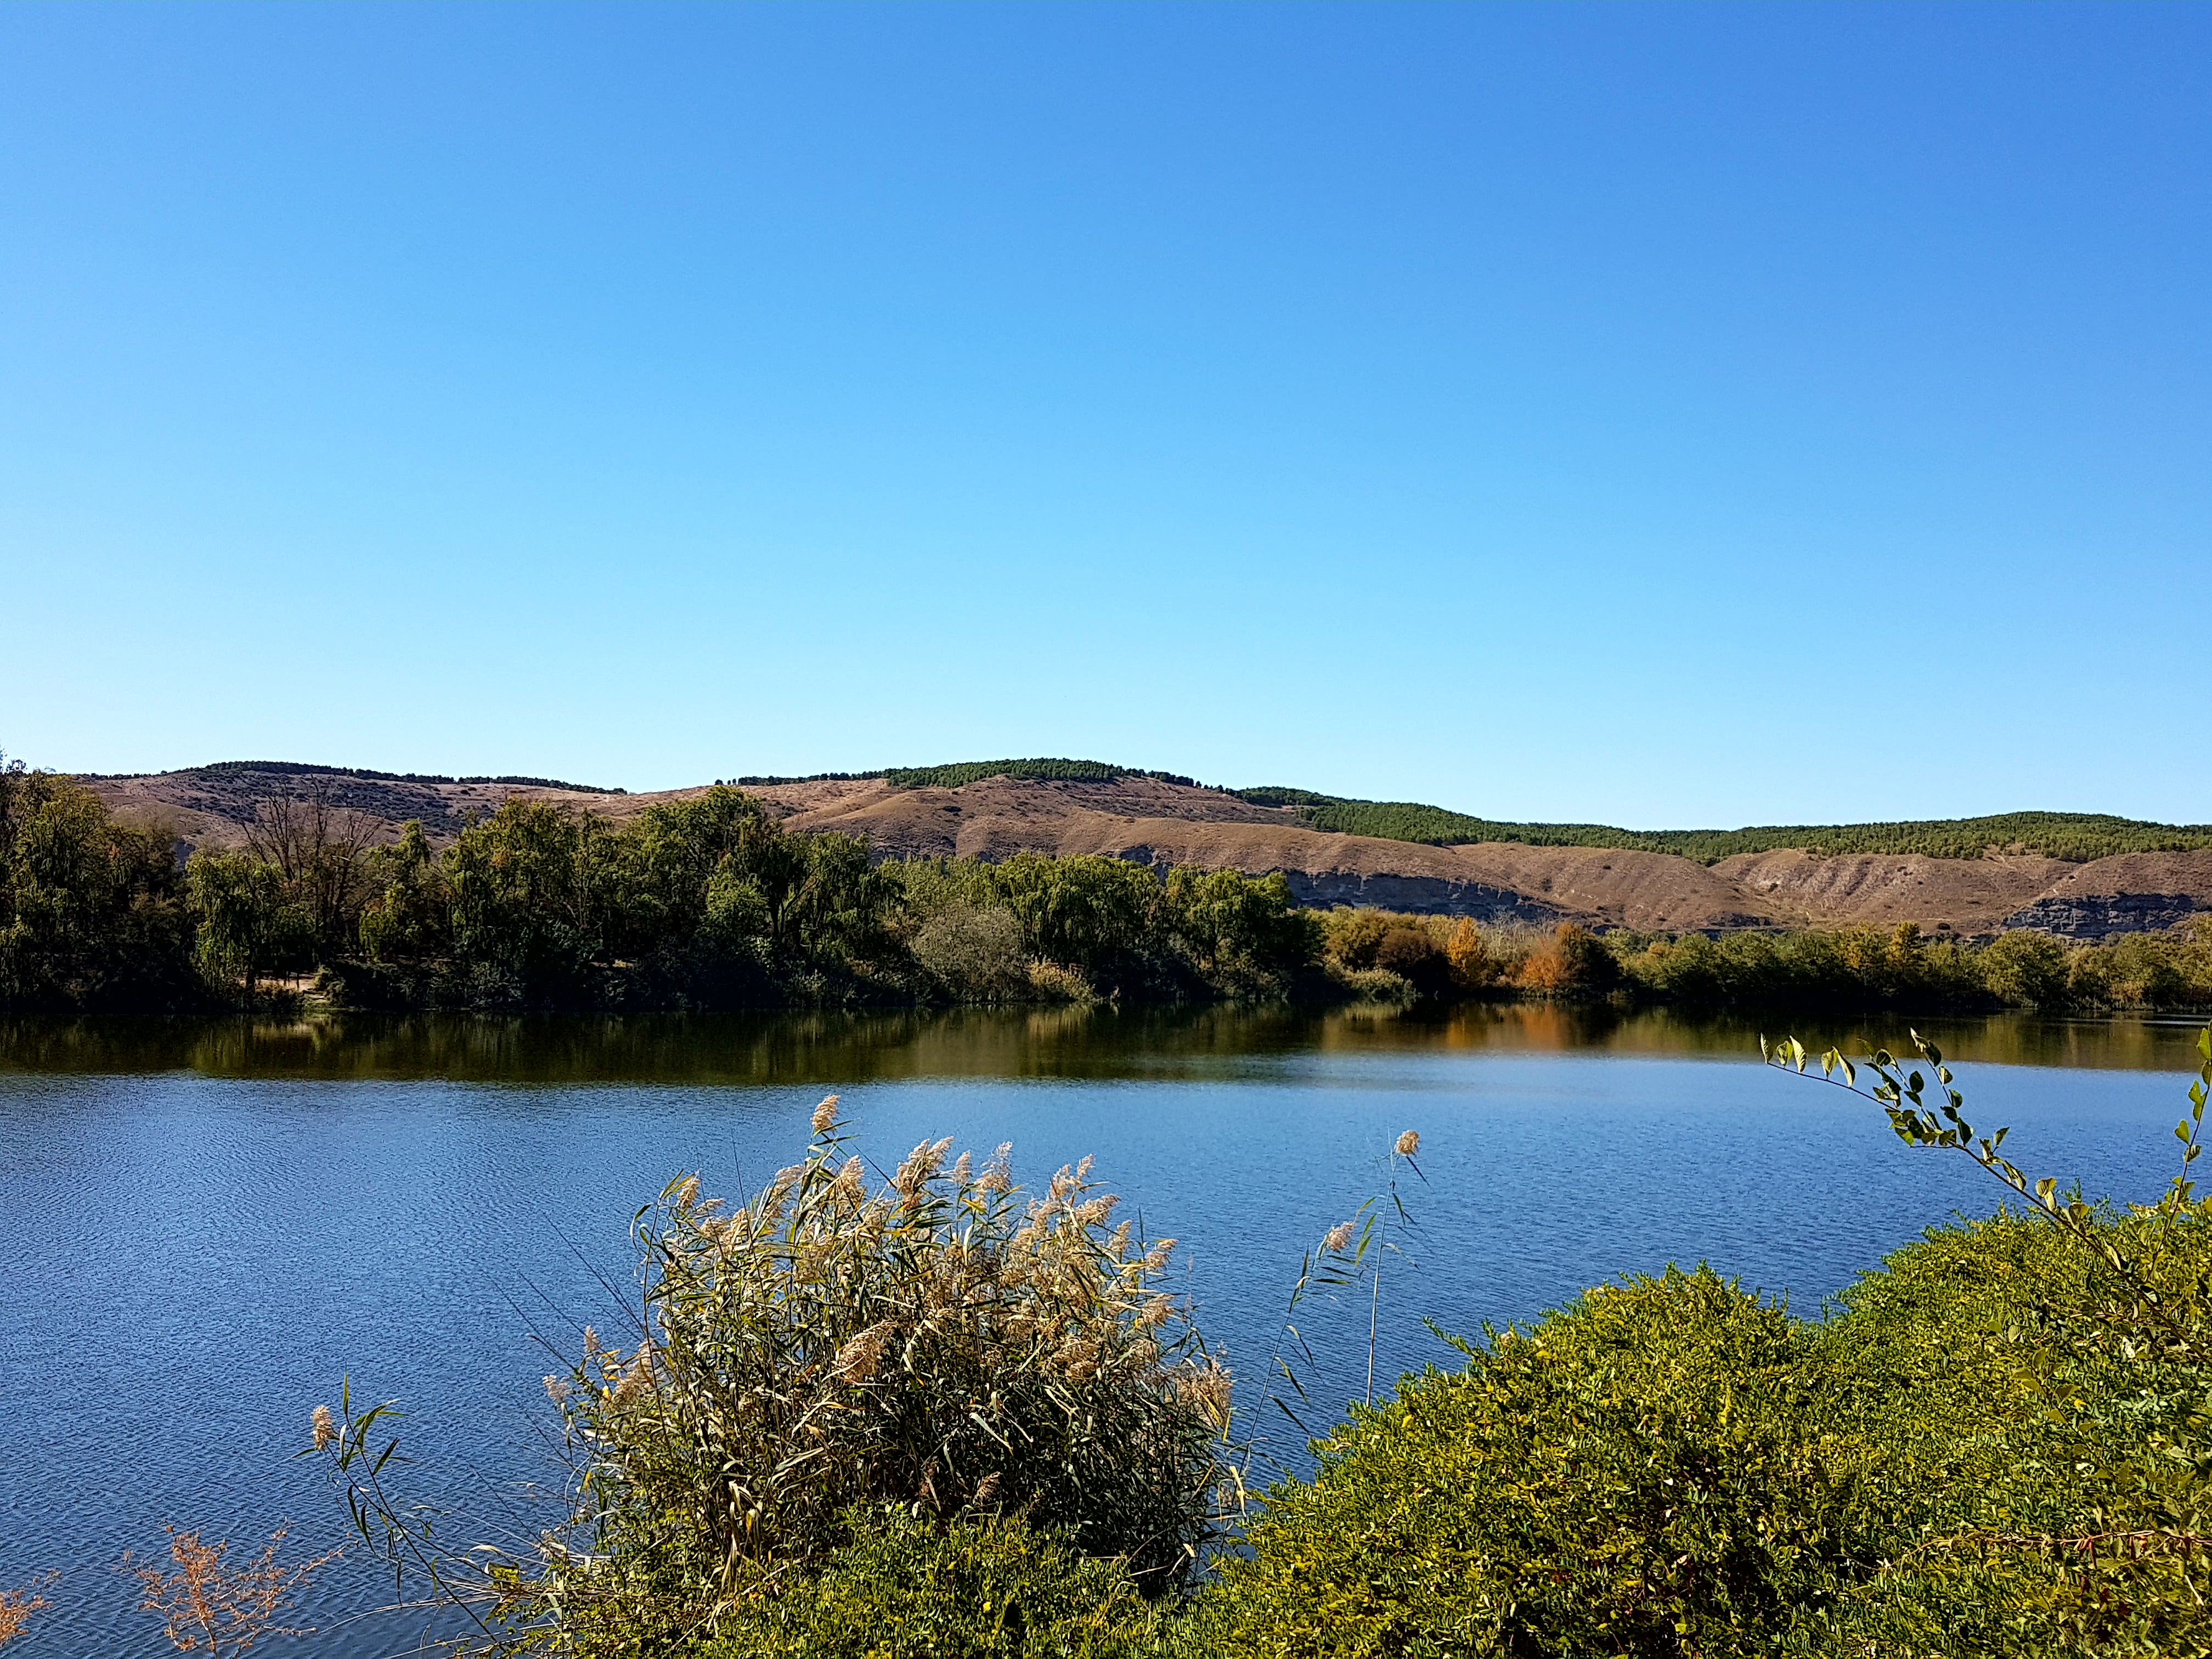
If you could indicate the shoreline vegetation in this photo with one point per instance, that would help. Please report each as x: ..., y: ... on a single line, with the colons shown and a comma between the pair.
x: 930, y: 1414
x: 708, y: 903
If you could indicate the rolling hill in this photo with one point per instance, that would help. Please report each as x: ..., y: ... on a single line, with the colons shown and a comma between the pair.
x: 2076, y: 875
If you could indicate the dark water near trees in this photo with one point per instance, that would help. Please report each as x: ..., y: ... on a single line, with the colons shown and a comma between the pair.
x: 205, y: 1226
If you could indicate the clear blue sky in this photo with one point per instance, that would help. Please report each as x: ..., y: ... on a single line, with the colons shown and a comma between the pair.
x: 1658, y: 415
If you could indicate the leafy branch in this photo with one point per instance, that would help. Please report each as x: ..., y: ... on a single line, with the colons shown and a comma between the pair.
x: 1925, y: 1111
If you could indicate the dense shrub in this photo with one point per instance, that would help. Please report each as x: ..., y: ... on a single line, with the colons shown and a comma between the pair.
x: 2145, y: 970
x: 1635, y: 1474
x: 988, y: 1588
x: 1841, y: 968
x: 1574, y: 961
x: 974, y: 952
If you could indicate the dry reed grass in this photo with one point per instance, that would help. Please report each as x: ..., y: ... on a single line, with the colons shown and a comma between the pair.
x: 941, y: 1341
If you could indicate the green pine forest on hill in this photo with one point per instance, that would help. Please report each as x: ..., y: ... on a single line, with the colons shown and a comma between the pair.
x: 2077, y: 837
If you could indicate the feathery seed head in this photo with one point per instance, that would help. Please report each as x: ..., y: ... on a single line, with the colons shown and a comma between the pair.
x: 858, y: 1360
x: 636, y: 1377
x: 1092, y: 1213
x: 1207, y: 1387
x: 1408, y: 1144
x: 326, y: 1428
x: 850, y: 1189
x: 825, y: 1115
x: 1337, y: 1237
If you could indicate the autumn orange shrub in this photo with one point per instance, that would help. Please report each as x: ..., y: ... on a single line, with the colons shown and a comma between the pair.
x: 1473, y: 966
x: 1573, y: 962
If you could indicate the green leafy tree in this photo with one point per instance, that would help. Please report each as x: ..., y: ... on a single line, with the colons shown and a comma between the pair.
x: 249, y: 922
x: 410, y: 920
x: 533, y: 886
x: 1239, y: 929
x: 1094, y: 915
x: 91, y: 911
x: 2027, y: 967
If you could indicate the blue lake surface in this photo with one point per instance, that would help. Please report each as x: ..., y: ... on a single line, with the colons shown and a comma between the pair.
x: 205, y: 1227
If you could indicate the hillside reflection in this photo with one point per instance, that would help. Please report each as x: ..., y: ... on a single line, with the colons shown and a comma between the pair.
x: 781, y: 1048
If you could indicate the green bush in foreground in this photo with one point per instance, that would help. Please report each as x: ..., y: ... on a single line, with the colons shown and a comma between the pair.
x: 990, y: 1589
x: 1966, y: 1459
x: 1636, y: 1474
x: 2000, y: 1444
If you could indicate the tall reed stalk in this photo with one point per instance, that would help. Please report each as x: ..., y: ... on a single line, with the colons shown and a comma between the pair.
x: 944, y: 1343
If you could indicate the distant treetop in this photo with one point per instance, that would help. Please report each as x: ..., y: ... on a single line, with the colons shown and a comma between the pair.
x: 1034, y: 771
x: 2077, y: 837
x: 308, y: 768
x: 812, y: 777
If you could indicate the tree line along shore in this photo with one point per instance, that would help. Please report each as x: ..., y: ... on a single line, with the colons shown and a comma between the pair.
x: 706, y: 901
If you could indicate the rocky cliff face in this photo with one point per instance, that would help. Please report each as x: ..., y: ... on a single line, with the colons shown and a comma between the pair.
x: 2104, y: 917
x: 2134, y: 893
x: 1430, y: 896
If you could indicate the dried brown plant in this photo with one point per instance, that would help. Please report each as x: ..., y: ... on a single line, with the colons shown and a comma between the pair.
x: 204, y: 1604
x: 16, y: 1607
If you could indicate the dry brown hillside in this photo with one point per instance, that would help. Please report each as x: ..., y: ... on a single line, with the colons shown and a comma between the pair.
x: 1162, y: 824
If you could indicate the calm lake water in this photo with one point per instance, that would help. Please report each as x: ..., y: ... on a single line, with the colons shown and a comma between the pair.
x: 205, y: 1226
